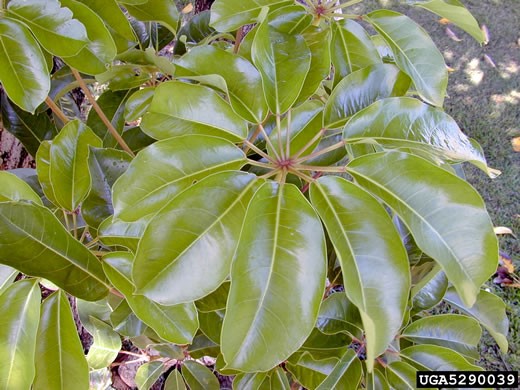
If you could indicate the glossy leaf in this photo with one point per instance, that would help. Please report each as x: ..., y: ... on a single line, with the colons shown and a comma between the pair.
x: 376, y: 381
x: 322, y: 346
x: 283, y: 61
x: 69, y: 174
x: 114, y: 232
x: 404, y: 122
x: 34, y: 241
x: 250, y: 381
x: 193, y: 32
x: 350, y: 214
x: 215, y: 301
x: 318, y: 41
x: 7, y: 277
x: 437, y: 358
x: 161, y: 11
x: 105, y: 166
x: 174, y: 168
x: 125, y: 322
x: 448, y: 220
x: 61, y: 363
x: 455, y: 11
x: 281, y: 232
x: 228, y: 15
x: 401, y: 375
x: 203, y: 346
x: 460, y: 333
x: 116, y: 22
x: 206, y: 220
x: 199, y: 377
x: 431, y: 293
x: 138, y: 103
x: 242, y: 79
x: 489, y: 310
x: 100, y: 50
x: 31, y: 130
x: 19, y: 318
x: 53, y: 25
x: 415, y: 53
x: 338, y: 314
x: 112, y: 103
x: 351, y: 49
x: 15, y: 189
x: 179, y: 108
x: 310, y: 372
x: 124, y: 77
x: 176, y: 324
x: 106, y: 345
x: 345, y: 375
x: 290, y: 19
x: 24, y: 75
x: 211, y: 324
x: 279, y: 380
x: 174, y: 381
x: 148, y: 373
x: 360, y: 89
x: 43, y: 168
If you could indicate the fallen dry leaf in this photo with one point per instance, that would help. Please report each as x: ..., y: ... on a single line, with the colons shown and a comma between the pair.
x: 444, y: 21
x: 516, y: 144
x: 503, y: 230
x: 506, y: 263
x: 452, y: 35
x: 187, y: 9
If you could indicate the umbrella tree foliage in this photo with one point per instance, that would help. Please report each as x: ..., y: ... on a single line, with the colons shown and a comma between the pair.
x: 288, y: 201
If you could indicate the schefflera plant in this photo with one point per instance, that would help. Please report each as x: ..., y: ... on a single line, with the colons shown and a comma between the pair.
x: 300, y: 208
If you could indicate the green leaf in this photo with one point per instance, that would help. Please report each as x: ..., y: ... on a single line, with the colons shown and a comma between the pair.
x: 215, y: 301
x: 282, y: 236
x: 43, y: 168
x: 114, y: 232
x: 148, y: 373
x: 211, y: 324
x: 194, y: 31
x: 176, y: 164
x: 437, y: 358
x: 179, y: 108
x: 228, y: 15
x: 138, y: 103
x: 203, y: 346
x: 116, y: 22
x: 106, y: 345
x: 404, y: 122
x: 7, y: 277
x: 125, y: 322
x: 310, y: 372
x: 174, y: 381
x: 376, y: 380
x: 199, y: 377
x: 206, y: 220
x: 414, y: 52
x: 242, y: 79
x: 351, y: 49
x: 337, y: 315
x: 283, y: 61
x: 455, y: 11
x: 431, y: 293
x: 318, y: 41
x: 19, y: 318
x: 401, y: 376
x: 290, y: 19
x: 69, y: 174
x: 124, y: 77
x: 489, y: 310
x: 279, y: 380
x: 348, y: 213
x: 34, y: 241
x: 105, y: 166
x: 163, y: 11
x: 61, y: 363
x: 460, y: 333
x: 250, y: 381
x: 448, y: 220
x: 346, y: 374
x: 24, y: 75
x: 100, y: 50
x: 323, y: 346
x: 360, y: 89
x: 306, y: 123
x: 52, y: 24
x: 176, y: 324
x: 31, y: 130
x: 15, y: 189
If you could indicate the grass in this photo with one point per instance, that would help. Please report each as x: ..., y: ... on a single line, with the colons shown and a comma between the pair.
x: 484, y: 98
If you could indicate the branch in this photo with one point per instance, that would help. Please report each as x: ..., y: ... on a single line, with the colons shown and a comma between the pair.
x: 53, y: 106
x: 101, y: 114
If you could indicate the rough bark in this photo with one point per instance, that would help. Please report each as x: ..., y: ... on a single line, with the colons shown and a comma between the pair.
x: 12, y: 153
x: 202, y: 5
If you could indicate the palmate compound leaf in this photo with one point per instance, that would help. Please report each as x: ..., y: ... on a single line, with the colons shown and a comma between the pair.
x: 445, y: 215
x: 414, y: 52
x: 403, y: 122
x: 24, y: 74
x: 277, y: 280
x: 365, y: 239
x: 206, y: 221
x: 61, y: 364
x: 284, y: 61
x: 19, y: 318
x: 176, y: 324
x: 167, y: 167
x: 35, y: 242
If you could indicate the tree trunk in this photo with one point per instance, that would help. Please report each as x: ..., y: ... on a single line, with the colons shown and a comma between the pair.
x: 12, y: 153
x: 202, y: 5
